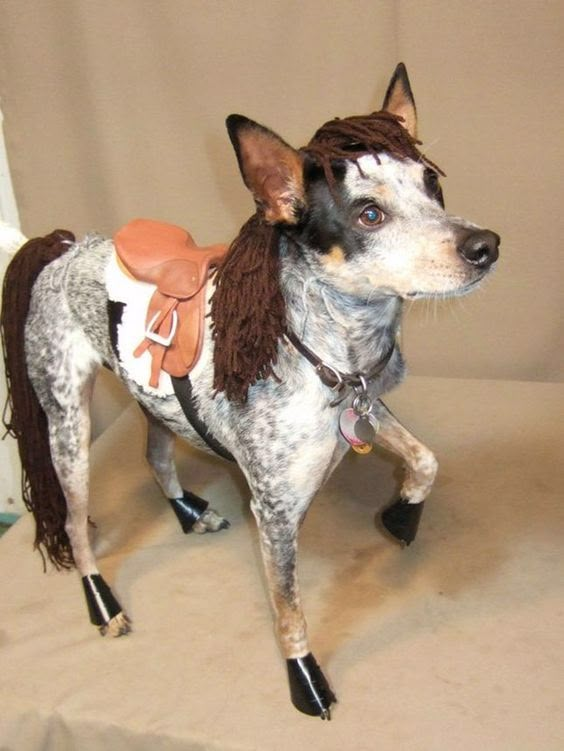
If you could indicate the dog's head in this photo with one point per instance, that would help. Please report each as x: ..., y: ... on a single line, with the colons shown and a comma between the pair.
x: 374, y: 222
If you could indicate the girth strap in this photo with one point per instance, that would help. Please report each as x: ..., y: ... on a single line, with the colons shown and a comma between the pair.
x: 183, y: 391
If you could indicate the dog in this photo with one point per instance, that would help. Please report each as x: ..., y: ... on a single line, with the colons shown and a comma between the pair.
x: 356, y: 225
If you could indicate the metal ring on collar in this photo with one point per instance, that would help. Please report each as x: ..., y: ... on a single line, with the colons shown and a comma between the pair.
x: 339, y: 380
x: 363, y: 384
x: 362, y: 404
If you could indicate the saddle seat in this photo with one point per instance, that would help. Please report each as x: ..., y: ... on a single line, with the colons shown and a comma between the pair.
x: 167, y: 256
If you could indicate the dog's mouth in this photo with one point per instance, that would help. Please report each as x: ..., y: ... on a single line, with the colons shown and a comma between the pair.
x: 464, y: 289
x: 478, y: 250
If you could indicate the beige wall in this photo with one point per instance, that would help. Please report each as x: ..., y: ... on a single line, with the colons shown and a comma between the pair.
x: 489, y: 78
x: 115, y: 109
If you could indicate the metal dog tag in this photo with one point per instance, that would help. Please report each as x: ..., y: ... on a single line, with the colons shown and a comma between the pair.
x: 366, y: 427
x: 358, y: 430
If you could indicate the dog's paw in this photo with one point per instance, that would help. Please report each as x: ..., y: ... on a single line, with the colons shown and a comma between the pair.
x: 194, y: 514
x: 210, y: 521
x: 119, y: 625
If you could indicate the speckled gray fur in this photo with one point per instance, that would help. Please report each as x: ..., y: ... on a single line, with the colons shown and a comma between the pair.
x: 344, y: 304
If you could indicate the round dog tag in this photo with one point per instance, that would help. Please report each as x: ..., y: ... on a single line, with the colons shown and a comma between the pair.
x: 366, y: 427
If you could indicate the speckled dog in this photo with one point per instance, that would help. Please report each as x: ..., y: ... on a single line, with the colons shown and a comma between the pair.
x: 352, y: 245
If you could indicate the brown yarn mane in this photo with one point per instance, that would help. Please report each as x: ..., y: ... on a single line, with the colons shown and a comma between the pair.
x: 248, y: 310
x: 23, y: 416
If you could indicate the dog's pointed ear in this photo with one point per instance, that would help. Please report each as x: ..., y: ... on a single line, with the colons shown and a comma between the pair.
x: 399, y: 100
x: 272, y: 170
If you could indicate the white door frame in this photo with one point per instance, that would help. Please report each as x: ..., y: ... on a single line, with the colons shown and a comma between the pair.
x: 10, y: 239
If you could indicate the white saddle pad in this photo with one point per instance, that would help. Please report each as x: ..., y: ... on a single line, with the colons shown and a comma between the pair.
x: 131, y: 330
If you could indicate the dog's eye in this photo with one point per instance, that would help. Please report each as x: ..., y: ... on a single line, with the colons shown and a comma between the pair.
x: 371, y: 216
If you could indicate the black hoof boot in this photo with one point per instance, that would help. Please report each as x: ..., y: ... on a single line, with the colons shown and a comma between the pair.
x: 401, y: 519
x: 309, y: 689
x: 103, y: 608
x: 188, y: 509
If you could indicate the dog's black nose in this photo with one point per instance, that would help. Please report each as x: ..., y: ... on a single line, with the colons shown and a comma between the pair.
x: 480, y: 248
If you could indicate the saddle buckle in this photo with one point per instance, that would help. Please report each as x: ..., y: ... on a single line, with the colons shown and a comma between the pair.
x: 166, y: 341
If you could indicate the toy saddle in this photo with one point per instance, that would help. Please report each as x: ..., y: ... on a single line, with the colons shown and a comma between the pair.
x: 174, y: 272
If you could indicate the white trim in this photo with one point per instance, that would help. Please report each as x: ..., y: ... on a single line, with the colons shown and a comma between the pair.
x: 8, y: 207
x: 10, y: 472
x: 10, y: 240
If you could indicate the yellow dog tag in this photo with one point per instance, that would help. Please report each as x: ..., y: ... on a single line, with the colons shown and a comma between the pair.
x: 362, y: 448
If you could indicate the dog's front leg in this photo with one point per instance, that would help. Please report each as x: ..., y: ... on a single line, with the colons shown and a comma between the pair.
x: 402, y: 518
x: 278, y: 519
x: 192, y: 512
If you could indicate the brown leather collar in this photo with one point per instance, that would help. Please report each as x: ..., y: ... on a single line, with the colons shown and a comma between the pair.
x: 334, y: 378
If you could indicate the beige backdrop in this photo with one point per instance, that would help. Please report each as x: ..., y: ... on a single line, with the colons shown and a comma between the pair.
x: 115, y: 109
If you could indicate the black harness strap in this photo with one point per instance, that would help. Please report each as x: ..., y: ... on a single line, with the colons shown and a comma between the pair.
x: 328, y: 375
x: 183, y: 391
x: 182, y: 388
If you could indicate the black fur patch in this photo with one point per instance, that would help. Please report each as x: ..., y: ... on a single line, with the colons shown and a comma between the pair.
x: 115, y: 315
x: 328, y: 220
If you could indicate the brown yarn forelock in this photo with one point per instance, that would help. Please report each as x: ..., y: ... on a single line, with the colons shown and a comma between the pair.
x: 359, y: 135
x: 248, y: 309
x: 23, y: 417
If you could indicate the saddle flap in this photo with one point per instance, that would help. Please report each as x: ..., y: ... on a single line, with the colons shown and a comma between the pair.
x: 178, y: 278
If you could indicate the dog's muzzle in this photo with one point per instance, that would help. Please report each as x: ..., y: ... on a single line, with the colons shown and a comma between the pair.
x: 480, y: 248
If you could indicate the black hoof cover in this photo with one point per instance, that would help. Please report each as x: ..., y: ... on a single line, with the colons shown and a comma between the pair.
x: 309, y: 689
x: 402, y: 518
x: 188, y: 509
x: 102, y: 605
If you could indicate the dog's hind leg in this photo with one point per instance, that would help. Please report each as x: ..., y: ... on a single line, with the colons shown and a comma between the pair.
x: 401, y: 519
x: 192, y: 512
x: 62, y: 369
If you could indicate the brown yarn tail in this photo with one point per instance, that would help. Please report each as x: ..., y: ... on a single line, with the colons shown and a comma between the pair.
x: 23, y: 417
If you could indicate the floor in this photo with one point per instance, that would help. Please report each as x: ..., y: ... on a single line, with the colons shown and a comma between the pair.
x: 456, y: 642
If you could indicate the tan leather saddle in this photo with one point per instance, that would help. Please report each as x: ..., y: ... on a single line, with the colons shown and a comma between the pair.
x: 167, y: 256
